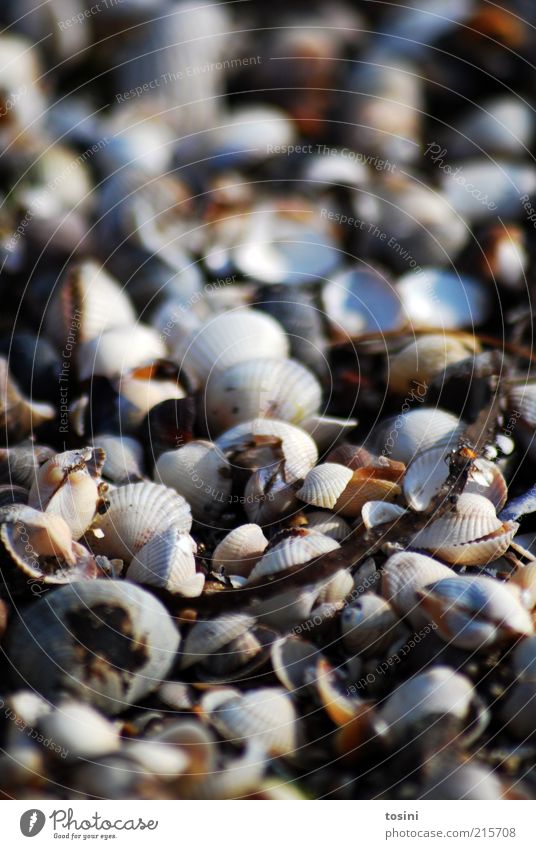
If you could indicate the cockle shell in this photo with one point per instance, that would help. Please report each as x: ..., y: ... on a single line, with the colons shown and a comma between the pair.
x: 168, y: 561
x: 429, y: 470
x: 265, y: 715
x: 79, y: 730
x: 333, y: 486
x: 18, y: 465
x: 85, y: 303
x: 19, y: 416
x: 469, y: 534
x: 233, y: 337
x: 414, y: 365
x: 135, y: 514
x: 291, y: 551
x: 368, y: 625
x: 118, y: 350
x: 522, y: 399
x: 403, y: 575
x: 238, y: 552
x: 268, y: 498
x: 376, y: 513
x: 226, y: 648
x: 147, y: 386
x: 207, y: 637
x: 267, y: 388
x: 273, y: 442
x: 434, y: 296
x: 124, y: 458
x: 67, y: 485
x: 475, y: 612
x: 429, y: 696
x: 104, y: 642
x: 201, y: 474
x: 402, y: 437
x: 328, y: 524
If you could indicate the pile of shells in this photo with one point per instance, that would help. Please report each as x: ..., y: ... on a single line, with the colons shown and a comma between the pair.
x: 268, y: 401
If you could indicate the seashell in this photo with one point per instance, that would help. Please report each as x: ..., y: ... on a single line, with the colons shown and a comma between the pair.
x: 499, y: 125
x: 124, y: 458
x: 108, y: 643
x: 425, y: 357
x: 115, y: 776
x: 118, y: 350
x: 369, y: 625
x: 326, y: 430
x: 238, y: 552
x: 291, y: 551
x: 239, y: 135
x: 425, y: 698
x: 19, y: 416
x: 525, y: 578
x: 85, y: 303
x: 361, y: 300
x: 168, y: 561
x: 201, y: 474
x: 273, y: 441
x: 475, y: 612
x: 267, y: 388
x: 522, y: 399
x: 230, y: 338
x: 79, y: 731
x: 429, y: 470
x: 295, y: 663
x: 277, y: 249
x: 496, y: 193
x: 354, y: 457
x: 67, y: 485
x: 329, y: 524
x: 376, y: 513
x: 402, y: 437
x: 162, y: 760
x: 333, y: 486
x: 335, y: 589
x: 146, y: 386
x: 265, y: 716
x: 268, y: 498
x: 208, y: 637
x: 433, y: 296
x: 286, y: 610
x: 406, y: 573
x: 18, y: 465
x: 471, y: 533
x: 135, y: 514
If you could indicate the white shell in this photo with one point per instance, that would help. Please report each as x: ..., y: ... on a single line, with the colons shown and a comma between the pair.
x: 124, y: 457
x: 402, y: 437
x: 64, y: 486
x: 522, y: 398
x: 119, y: 349
x: 232, y: 337
x: 434, y: 297
x: 80, y: 731
x: 368, y: 625
x: 201, y: 474
x: 299, y: 450
x: 238, y: 551
x: 378, y: 512
x: 426, y: 356
x: 145, y: 393
x: 290, y: 552
x: 265, y: 715
x: 324, y: 485
x: 168, y: 561
x: 207, y: 637
x: 87, y: 302
x: 137, y: 512
x: 268, y: 388
x: 475, y: 612
x: 403, y: 575
x: 328, y: 524
x: 438, y: 692
x: 335, y: 589
x: 268, y: 498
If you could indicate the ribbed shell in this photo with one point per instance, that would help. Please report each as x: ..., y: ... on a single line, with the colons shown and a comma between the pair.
x: 403, y: 575
x: 237, y: 551
x: 368, y: 625
x: 292, y: 551
x: 124, y: 457
x: 478, y: 552
x: 201, y: 474
x: 168, y: 561
x: 403, y: 436
x: 429, y: 470
x: 335, y: 588
x: 207, y: 637
x: 265, y: 715
x: 119, y: 349
x: 299, y: 450
x: 473, y: 518
x: 233, y: 337
x: 137, y: 512
x: 474, y: 612
x: 104, y: 642
x: 268, y: 388
x: 324, y: 485
x: 523, y: 399
x: 87, y: 302
x: 438, y: 692
x: 328, y: 524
